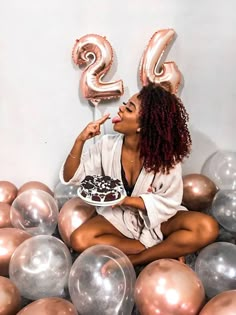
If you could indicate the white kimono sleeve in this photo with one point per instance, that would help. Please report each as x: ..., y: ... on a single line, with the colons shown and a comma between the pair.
x: 164, y: 198
x: 90, y: 164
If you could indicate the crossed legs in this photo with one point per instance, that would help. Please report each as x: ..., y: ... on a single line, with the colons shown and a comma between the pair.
x: 99, y: 231
x: 184, y: 233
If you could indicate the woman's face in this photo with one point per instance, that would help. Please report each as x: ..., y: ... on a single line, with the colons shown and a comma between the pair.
x: 127, y: 121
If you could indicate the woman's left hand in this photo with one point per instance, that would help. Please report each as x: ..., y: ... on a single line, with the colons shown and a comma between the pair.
x: 133, y: 202
x: 121, y: 202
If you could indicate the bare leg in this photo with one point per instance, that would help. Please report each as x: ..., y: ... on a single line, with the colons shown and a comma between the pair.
x: 99, y: 231
x: 185, y: 233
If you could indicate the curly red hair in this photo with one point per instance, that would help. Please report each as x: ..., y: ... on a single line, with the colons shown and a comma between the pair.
x: 164, y: 137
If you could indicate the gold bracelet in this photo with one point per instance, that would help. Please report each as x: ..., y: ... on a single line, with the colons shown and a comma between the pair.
x: 72, y: 156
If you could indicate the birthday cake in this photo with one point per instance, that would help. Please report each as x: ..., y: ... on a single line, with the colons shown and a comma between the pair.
x: 101, y: 188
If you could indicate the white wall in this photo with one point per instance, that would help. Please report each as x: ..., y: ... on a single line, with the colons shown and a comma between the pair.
x: 41, y: 108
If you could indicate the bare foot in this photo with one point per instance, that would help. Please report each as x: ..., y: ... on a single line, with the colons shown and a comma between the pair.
x: 134, y: 259
x: 182, y: 259
x: 137, y: 259
x: 112, y: 266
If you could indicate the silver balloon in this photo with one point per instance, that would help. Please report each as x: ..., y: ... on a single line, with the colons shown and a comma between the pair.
x: 190, y: 260
x: 224, y: 209
x: 101, y: 282
x: 216, y: 267
x: 63, y: 193
x: 220, y: 167
x: 226, y: 236
x: 34, y: 211
x: 40, y: 267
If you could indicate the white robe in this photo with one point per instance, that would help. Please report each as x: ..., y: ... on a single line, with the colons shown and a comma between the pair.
x: 162, y: 194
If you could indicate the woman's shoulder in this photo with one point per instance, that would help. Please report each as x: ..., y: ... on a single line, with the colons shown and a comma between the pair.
x: 173, y: 171
x: 177, y: 168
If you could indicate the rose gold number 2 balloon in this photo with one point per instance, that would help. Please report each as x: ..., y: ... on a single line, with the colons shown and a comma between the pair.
x: 95, y: 52
x: 151, y: 62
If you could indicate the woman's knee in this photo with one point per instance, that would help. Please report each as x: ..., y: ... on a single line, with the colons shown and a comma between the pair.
x: 211, y: 227
x: 81, y: 237
x: 79, y: 241
x: 87, y: 234
x: 208, y: 228
x: 204, y: 228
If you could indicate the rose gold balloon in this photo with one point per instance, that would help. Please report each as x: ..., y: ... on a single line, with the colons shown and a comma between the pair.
x: 91, y: 85
x: 151, y: 62
x: 199, y: 192
x: 10, y: 239
x: 222, y: 304
x: 49, y: 306
x: 5, y: 220
x: 10, y: 299
x: 35, y: 185
x: 168, y: 287
x: 73, y: 213
x: 8, y: 192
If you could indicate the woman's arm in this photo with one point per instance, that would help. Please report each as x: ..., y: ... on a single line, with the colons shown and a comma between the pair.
x: 73, y: 159
x: 134, y: 202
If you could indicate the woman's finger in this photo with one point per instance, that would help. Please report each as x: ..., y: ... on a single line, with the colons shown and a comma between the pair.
x: 102, y: 119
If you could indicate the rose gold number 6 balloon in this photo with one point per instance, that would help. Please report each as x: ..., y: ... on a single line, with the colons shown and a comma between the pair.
x: 151, y: 62
x: 96, y: 52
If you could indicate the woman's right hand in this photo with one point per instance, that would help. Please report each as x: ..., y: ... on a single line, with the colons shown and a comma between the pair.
x: 73, y: 159
x: 92, y: 129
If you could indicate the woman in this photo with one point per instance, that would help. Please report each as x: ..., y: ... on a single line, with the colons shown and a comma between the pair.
x: 152, y: 140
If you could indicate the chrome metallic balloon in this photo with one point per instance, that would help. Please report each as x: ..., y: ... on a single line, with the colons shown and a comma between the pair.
x: 63, y: 193
x: 49, y: 306
x: 40, y: 267
x: 199, y: 192
x: 10, y: 239
x: 168, y: 287
x: 34, y: 211
x: 216, y: 267
x: 8, y: 192
x: 220, y: 167
x: 190, y: 260
x: 102, y: 282
x: 10, y: 299
x: 222, y: 304
x: 226, y: 236
x: 223, y: 209
x: 73, y: 213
